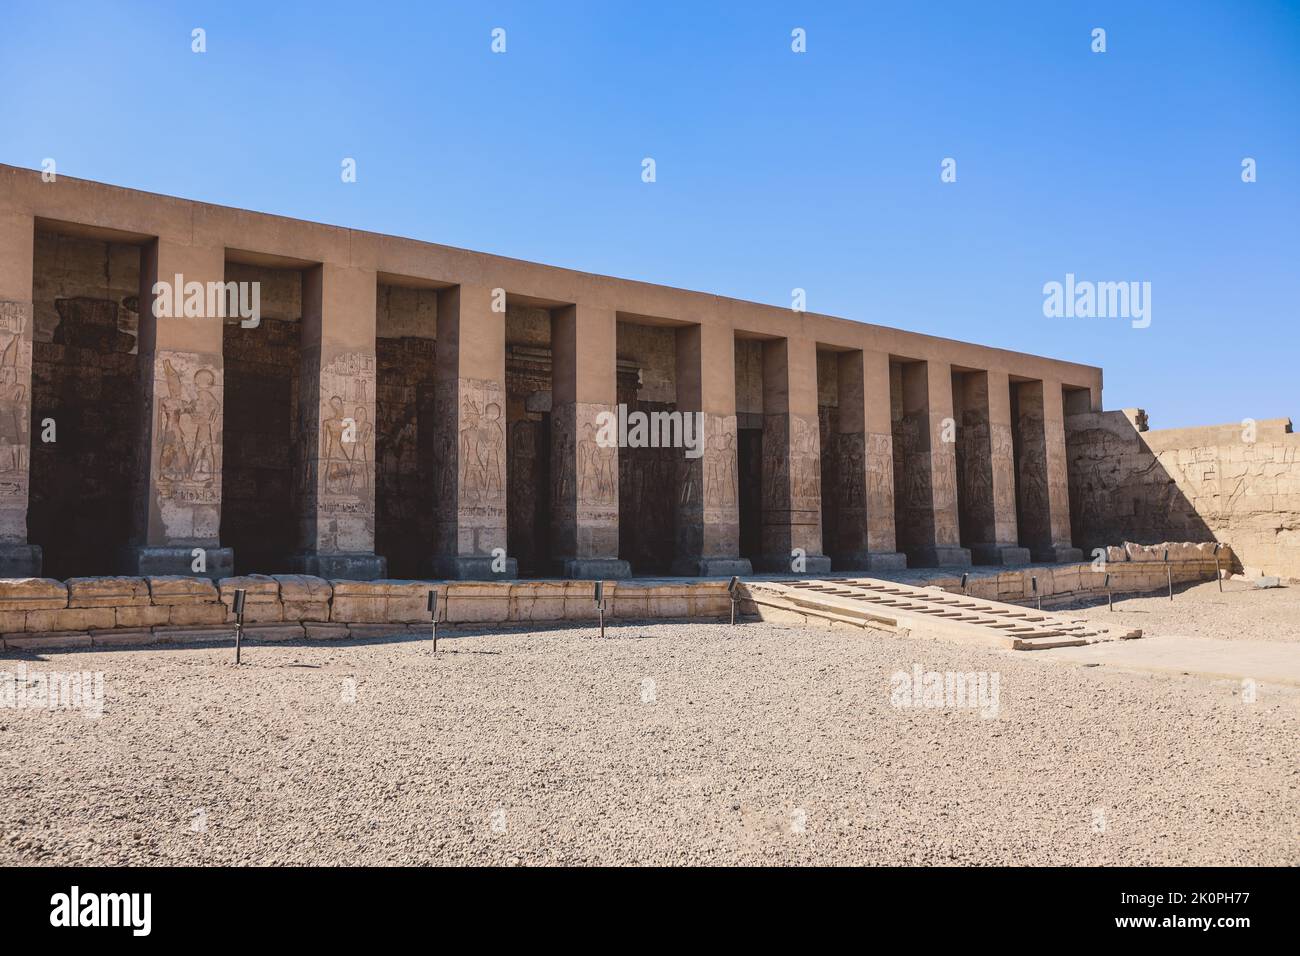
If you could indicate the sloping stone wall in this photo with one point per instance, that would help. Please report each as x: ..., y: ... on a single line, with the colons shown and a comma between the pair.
x: 1238, y: 484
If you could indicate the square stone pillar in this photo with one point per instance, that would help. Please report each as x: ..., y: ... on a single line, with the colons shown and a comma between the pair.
x: 708, y: 504
x: 986, y: 468
x: 176, y: 516
x: 943, y: 469
x: 1043, y: 502
x: 926, y: 467
x: 470, y: 438
x: 1058, y: 482
x: 18, y: 558
x: 791, y: 479
x: 864, y: 539
x: 584, y: 471
x: 335, y: 461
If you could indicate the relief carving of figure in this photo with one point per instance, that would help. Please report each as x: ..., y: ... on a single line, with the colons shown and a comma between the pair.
x: 13, y: 411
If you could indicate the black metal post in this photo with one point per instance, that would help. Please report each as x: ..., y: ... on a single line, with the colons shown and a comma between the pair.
x: 433, y: 618
x: 600, y: 605
x: 733, y: 589
x: 1169, y: 575
x: 965, y: 577
x: 239, y: 622
x: 1038, y: 598
x: 1110, y: 602
x: 1218, y: 571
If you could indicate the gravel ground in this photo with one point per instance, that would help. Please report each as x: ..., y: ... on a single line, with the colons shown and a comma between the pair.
x: 1241, y: 612
x: 756, y: 744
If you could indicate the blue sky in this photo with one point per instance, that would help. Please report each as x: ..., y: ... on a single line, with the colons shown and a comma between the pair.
x: 775, y: 170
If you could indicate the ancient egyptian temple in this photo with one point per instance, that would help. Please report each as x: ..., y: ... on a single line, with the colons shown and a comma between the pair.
x: 399, y: 409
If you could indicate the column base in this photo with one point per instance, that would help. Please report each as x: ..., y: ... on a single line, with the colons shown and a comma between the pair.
x: 594, y: 569
x: 1004, y: 554
x: 780, y: 564
x: 870, y: 561
x: 1058, y: 555
x: 152, y: 560
x: 712, y: 567
x: 20, y: 561
x: 940, y: 558
x: 355, y: 566
x: 473, y: 568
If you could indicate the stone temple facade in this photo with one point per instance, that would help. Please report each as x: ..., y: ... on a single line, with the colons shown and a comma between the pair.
x: 403, y: 409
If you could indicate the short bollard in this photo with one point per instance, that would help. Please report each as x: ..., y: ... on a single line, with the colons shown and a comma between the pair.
x: 733, y: 591
x: 1110, y: 603
x: 1218, y: 571
x: 965, y: 580
x: 600, y: 605
x: 239, y: 621
x: 1038, y: 598
x: 1169, y: 575
x: 433, y: 619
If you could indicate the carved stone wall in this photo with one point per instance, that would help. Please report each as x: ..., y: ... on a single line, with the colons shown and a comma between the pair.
x: 1193, y: 484
x: 86, y: 378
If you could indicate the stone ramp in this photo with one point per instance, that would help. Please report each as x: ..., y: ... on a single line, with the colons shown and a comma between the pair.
x: 868, y: 602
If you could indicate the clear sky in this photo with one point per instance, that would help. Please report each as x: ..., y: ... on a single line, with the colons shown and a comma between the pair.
x: 774, y: 170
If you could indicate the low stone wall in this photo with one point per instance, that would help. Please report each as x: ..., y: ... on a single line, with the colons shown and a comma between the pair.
x: 1133, y: 569
x: 89, y: 612
x: 38, y: 613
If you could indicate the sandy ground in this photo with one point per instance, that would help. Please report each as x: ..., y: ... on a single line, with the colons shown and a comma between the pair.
x: 666, y: 743
x: 1241, y: 612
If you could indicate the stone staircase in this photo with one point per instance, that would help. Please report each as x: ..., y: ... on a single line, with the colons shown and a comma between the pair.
x: 930, y: 611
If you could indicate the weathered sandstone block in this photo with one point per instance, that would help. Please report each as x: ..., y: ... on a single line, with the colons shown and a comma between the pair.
x: 537, y: 600
x: 261, y: 598
x: 30, y: 594
x: 188, y: 615
x: 108, y: 592
x: 379, y: 602
x: 194, y: 635
x: 471, y: 603
x: 175, y: 589
x: 135, y: 616
x: 305, y: 598
x: 123, y: 637
x: 70, y: 619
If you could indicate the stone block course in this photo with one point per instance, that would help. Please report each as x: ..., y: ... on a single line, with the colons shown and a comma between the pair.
x: 174, y: 590
x: 31, y: 594
x: 108, y: 592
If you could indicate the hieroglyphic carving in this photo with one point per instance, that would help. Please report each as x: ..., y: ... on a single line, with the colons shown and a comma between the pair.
x: 15, y: 400
x: 1031, y: 479
x: 584, y: 510
x: 1003, y: 475
x: 336, y: 485
x: 188, y: 422
x: 720, y: 481
x: 880, y: 492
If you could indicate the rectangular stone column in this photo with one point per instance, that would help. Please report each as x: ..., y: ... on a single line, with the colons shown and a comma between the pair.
x: 1043, y: 504
x: 18, y: 558
x: 864, y: 539
x: 948, y: 550
x: 176, y: 519
x: 335, y: 461
x: 1058, y: 482
x: 584, y: 471
x: 470, y: 438
x: 926, y: 461
x: 708, y: 507
x: 986, y: 488
x: 791, y: 479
